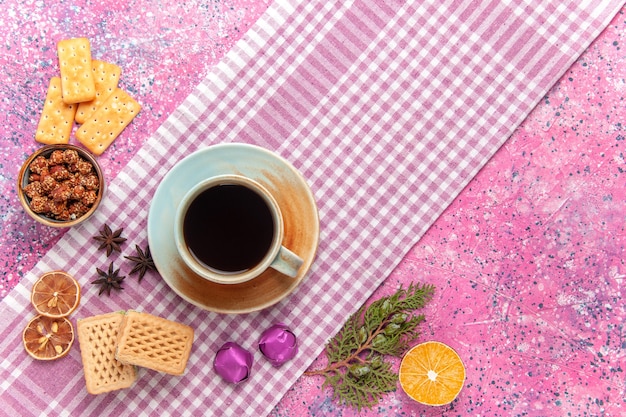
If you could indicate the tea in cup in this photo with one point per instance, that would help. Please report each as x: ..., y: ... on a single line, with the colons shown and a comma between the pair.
x: 229, y: 229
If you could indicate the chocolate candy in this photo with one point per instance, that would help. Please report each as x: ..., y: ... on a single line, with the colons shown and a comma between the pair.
x: 278, y: 344
x: 233, y: 363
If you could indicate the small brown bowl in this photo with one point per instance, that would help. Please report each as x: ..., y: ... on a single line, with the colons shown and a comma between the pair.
x: 46, y: 217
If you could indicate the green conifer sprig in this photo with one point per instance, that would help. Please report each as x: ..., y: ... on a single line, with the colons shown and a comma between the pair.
x: 357, y: 371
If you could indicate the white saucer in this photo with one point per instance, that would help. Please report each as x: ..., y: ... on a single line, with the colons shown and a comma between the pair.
x: 290, y: 190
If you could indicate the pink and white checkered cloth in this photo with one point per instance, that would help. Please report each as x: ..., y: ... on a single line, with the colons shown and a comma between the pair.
x: 387, y: 108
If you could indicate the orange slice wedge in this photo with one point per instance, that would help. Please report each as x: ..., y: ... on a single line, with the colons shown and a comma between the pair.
x: 432, y: 373
x: 47, y: 338
x: 56, y: 294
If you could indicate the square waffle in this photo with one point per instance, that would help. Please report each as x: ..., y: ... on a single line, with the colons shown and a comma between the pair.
x: 154, y: 342
x: 97, y: 337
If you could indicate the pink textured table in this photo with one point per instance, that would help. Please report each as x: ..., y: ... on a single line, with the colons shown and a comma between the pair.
x: 528, y: 261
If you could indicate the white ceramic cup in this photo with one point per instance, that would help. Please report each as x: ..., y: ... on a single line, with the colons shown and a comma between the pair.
x: 277, y: 256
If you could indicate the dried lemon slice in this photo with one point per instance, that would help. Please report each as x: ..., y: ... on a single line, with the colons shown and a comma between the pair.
x: 432, y: 373
x: 47, y: 338
x: 56, y: 294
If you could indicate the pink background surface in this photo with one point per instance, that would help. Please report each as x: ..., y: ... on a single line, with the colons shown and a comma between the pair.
x: 528, y: 261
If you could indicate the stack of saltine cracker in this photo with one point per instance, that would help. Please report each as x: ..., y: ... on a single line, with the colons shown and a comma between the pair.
x: 112, y: 346
x: 86, y: 92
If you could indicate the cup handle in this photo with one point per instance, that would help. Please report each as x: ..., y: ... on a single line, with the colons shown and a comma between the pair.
x: 287, y: 262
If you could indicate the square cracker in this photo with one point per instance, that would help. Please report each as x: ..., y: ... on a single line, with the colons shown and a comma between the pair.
x: 77, y: 78
x: 154, y: 342
x: 99, y: 131
x: 97, y: 337
x: 106, y: 77
x: 57, y: 117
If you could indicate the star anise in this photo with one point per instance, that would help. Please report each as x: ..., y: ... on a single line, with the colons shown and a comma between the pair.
x: 143, y: 262
x: 109, y: 279
x: 110, y: 240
